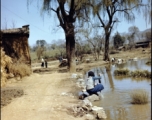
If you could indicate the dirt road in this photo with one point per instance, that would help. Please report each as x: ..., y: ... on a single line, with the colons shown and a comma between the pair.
x: 43, y: 98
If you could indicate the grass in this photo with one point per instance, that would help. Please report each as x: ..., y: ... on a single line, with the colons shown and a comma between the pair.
x: 134, y: 74
x: 113, y: 52
x: 148, y: 62
x: 121, y: 72
x: 49, y: 53
x: 141, y: 73
x: 20, y: 69
x: 139, y: 97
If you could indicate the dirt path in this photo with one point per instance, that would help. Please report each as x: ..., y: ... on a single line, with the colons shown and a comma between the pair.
x: 44, y: 97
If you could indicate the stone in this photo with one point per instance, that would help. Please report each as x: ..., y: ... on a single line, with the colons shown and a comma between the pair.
x: 93, y: 98
x: 74, y: 75
x: 86, y: 102
x: 99, y: 111
x: 18, y: 78
x: 89, y: 117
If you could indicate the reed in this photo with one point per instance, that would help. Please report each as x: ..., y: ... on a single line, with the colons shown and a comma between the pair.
x: 139, y: 97
x: 141, y: 73
x: 121, y: 72
x: 148, y: 62
x: 134, y: 74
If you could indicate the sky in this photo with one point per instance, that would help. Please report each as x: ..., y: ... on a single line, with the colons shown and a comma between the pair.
x: 45, y: 27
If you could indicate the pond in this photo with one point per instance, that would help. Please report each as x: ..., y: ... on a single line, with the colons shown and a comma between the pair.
x: 116, y: 95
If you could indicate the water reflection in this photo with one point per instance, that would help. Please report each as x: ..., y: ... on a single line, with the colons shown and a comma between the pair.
x: 116, y: 101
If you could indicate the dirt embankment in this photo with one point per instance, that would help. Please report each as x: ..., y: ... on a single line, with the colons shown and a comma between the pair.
x: 47, y: 96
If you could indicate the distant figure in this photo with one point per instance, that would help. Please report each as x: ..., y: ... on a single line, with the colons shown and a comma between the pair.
x: 42, y: 65
x: 45, y: 63
x: 113, y: 60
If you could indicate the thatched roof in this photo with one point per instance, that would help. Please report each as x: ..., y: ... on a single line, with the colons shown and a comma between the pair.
x: 24, y: 30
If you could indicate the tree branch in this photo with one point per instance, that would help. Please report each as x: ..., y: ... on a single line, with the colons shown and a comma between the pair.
x: 59, y: 17
x: 100, y: 19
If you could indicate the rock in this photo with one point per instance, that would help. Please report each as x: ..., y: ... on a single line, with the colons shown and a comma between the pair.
x: 64, y: 93
x: 74, y: 75
x: 89, y: 117
x: 80, y: 80
x: 80, y: 76
x: 93, y: 98
x: 86, y: 102
x: 86, y: 105
x: 81, y: 85
x: 10, y: 75
x: 18, y: 78
x: 99, y: 111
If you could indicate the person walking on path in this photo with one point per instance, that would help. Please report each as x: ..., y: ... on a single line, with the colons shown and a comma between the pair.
x: 42, y: 62
x: 45, y: 63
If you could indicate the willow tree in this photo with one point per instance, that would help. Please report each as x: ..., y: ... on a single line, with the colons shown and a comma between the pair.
x: 110, y: 12
x: 67, y: 11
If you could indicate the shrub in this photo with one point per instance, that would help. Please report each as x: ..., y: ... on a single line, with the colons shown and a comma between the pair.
x: 139, y: 97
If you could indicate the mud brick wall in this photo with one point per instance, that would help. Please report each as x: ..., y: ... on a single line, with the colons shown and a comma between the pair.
x: 15, y: 43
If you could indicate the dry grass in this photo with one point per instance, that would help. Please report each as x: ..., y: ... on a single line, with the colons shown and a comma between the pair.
x: 20, y: 69
x: 113, y: 52
x: 148, y: 62
x: 120, y: 72
x: 5, y: 62
x: 134, y: 74
x: 139, y: 97
x: 8, y: 67
x: 141, y: 73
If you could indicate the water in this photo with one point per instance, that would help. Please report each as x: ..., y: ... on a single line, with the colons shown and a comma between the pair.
x: 116, y: 100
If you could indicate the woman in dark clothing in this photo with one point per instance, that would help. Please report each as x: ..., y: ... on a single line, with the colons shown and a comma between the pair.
x: 45, y: 63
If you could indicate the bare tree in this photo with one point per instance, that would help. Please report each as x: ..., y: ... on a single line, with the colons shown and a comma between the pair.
x: 5, y: 24
x: 13, y: 24
x: 133, y: 33
x: 109, y: 12
x: 67, y: 11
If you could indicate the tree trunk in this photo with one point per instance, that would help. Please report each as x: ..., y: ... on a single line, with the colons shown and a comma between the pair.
x: 70, y: 50
x: 106, y: 51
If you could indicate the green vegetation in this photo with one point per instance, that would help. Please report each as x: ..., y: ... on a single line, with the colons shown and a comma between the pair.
x: 118, y: 40
x: 139, y: 97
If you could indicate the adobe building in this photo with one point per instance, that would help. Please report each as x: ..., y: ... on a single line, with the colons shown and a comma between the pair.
x: 15, y: 43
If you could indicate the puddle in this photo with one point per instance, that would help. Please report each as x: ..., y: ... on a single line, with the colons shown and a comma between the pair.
x: 116, y: 101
